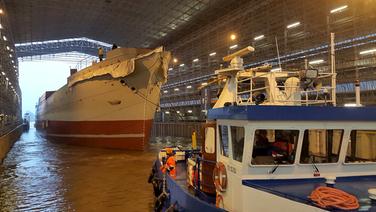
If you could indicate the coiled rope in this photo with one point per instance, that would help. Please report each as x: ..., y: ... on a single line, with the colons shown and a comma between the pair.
x: 326, y: 197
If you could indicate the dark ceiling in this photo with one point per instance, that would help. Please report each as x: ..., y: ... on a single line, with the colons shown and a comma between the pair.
x: 141, y: 23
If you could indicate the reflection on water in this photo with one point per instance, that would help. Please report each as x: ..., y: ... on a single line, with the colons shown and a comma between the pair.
x: 39, y: 175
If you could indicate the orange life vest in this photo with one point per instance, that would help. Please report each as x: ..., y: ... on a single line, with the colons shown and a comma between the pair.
x: 286, y: 147
x: 171, y: 166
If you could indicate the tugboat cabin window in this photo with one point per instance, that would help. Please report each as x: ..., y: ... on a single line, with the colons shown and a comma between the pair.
x: 362, y: 146
x: 237, y: 141
x: 321, y: 146
x: 223, y: 136
x: 274, y: 146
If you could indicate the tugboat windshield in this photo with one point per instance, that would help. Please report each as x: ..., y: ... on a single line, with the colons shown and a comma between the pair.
x: 237, y: 141
x: 223, y: 134
x: 274, y: 146
x: 321, y: 146
x: 362, y: 146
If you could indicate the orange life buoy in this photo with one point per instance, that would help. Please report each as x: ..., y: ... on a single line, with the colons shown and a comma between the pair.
x: 220, y: 176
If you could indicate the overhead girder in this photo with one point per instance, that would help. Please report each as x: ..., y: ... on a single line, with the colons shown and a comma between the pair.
x: 83, y: 45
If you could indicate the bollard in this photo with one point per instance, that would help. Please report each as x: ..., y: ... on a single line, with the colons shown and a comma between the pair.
x: 194, y: 140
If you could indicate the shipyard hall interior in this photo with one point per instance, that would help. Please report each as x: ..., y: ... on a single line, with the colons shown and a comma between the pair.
x: 187, y: 105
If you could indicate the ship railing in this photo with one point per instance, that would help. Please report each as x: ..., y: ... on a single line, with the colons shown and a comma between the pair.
x: 8, y: 128
x: 85, y: 62
x: 249, y: 91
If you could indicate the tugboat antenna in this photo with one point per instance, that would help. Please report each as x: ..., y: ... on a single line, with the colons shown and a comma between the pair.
x: 279, y: 58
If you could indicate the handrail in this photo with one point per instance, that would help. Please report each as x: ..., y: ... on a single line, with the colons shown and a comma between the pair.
x: 285, y: 94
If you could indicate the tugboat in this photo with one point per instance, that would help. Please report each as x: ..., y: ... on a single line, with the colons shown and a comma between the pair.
x: 275, y: 141
x: 26, y: 122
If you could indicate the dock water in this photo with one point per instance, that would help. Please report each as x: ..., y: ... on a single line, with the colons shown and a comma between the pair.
x: 38, y: 175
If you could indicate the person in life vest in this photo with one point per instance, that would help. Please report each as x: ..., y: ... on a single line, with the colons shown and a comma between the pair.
x: 282, y: 144
x: 100, y: 53
x: 170, y: 165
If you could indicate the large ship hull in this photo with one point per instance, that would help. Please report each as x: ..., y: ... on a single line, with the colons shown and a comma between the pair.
x: 106, y: 111
x: 132, y: 134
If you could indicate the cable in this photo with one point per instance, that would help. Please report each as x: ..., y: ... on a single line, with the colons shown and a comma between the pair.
x: 146, y: 99
x: 326, y: 197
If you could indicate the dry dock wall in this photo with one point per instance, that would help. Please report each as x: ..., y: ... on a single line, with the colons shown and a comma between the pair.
x: 7, y: 141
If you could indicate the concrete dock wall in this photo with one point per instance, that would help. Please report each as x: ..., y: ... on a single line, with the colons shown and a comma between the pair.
x: 7, y: 141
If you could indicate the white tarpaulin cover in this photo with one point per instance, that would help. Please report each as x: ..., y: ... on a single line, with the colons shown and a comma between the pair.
x: 116, y: 70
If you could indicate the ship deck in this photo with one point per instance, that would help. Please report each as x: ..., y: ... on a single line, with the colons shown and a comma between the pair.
x: 184, y: 195
x: 299, y: 190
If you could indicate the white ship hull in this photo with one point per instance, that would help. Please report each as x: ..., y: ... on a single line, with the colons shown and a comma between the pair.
x: 97, y: 109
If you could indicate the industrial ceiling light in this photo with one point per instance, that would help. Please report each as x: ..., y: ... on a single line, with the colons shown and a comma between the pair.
x: 3, y: 73
x: 167, y: 112
x: 165, y: 91
x: 4, y: 38
x: 189, y: 111
x: 212, y: 54
x: 259, y: 37
x: 293, y: 25
x: 170, y: 69
x: 10, y: 56
x: 189, y: 86
x: 8, y: 48
x: 195, y: 60
x: 232, y: 36
x: 12, y: 60
x: 178, y: 112
x: 176, y: 89
x: 234, y: 46
x: 1, y: 26
x: 369, y: 51
x: 175, y: 60
x: 316, y: 61
x: 339, y: 9
x: 204, y: 83
x: 181, y: 65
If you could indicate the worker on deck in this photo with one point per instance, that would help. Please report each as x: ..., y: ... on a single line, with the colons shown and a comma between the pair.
x: 114, y: 46
x: 100, y: 53
x: 170, y: 165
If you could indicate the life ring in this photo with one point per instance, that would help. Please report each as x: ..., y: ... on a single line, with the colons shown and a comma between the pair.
x: 220, y: 176
x: 219, y: 201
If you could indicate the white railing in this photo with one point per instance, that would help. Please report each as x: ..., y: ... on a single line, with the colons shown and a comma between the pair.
x: 262, y: 88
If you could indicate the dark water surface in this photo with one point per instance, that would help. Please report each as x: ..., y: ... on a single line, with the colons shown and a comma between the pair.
x: 39, y: 175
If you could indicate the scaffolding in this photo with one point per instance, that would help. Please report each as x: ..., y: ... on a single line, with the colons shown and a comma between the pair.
x: 10, y: 93
x: 302, y: 30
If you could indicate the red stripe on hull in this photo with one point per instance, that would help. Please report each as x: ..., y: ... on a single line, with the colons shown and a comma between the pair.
x: 70, y: 131
x: 96, y: 127
x: 131, y: 143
